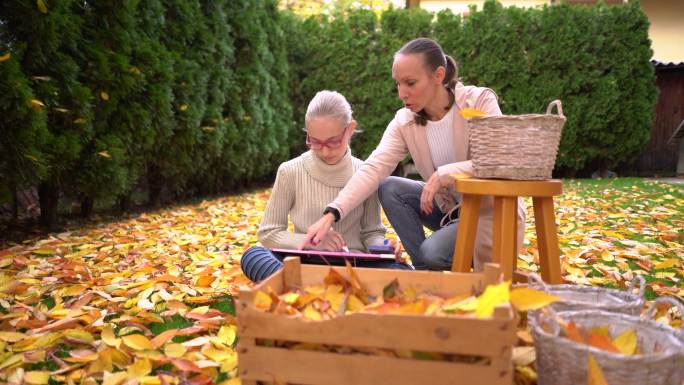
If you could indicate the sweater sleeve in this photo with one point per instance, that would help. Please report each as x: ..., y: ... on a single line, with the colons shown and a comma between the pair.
x: 372, y: 230
x: 379, y: 165
x: 273, y: 231
x: 486, y: 102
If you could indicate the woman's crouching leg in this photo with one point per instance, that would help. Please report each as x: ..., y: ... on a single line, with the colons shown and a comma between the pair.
x: 438, y: 249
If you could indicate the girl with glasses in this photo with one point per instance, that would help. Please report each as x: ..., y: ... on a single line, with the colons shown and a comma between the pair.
x: 431, y: 130
x: 305, y: 185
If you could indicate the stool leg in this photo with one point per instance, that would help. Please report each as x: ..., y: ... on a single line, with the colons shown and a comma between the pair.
x: 465, y: 235
x: 547, y: 239
x: 504, y: 237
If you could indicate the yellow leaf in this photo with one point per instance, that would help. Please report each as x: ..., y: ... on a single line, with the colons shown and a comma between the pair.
x: 12, y: 361
x: 79, y: 121
x: 37, y: 377
x: 494, y: 295
x: 73, y: 290
x: 109, y: 338
x: 175, y: 350
x: 666, y: 264
x: 140, y: 368
x: 104, y: 154
x: 310, y: 313
x: 607, y: 256
x: 43, y: 252
x: 135, y: 70
x: 149, y: 380
x: 595, y: 374
x: 600, y: 331
x: 354, y: 303
x: 41, y: 6
x: 230, y: 363
x: 262, y: 301
x: 11, y: 336
x: 290, y: 298
x: 524, y: 299
x: 469, y: 113
x: 227, y: 334
x: 36, y: 104
x: 137, y: 342
x: 183, y: 107
x: 104, y: 95
x: 626, y: 342
x: 216, y: 354
x: 5, y: 57
x: 114, y: 378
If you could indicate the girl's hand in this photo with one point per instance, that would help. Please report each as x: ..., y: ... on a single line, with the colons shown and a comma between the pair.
x: 397, y: 249
x: 317, y: 232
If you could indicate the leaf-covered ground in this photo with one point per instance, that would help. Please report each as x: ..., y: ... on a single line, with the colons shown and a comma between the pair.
x: 148, y: 300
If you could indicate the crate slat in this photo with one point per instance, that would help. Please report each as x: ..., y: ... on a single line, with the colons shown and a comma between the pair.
x: 390, y: 331
x: 322, y: 368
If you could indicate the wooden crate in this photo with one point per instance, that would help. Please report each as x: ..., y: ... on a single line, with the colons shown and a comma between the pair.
x: 490, y: 339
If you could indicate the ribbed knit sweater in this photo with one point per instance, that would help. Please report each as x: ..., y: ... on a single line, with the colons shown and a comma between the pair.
x: 303, y: 188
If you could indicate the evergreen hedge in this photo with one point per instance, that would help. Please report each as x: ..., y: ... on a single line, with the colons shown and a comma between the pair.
x: 100, y: 99
x: 596, y: 59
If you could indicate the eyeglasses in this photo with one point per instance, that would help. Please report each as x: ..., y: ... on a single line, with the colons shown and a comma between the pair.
x: 332, y: 143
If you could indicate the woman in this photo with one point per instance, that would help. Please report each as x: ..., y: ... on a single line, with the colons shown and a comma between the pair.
x: 432, y: 131
x: 304, y: 186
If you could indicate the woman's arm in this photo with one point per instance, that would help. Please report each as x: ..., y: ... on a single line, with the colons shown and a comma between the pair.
x: 273, y: 231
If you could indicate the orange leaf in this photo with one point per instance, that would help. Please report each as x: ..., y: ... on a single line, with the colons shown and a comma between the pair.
x: 602, y: 342
x: 574, y: 334
x: 164, y: 337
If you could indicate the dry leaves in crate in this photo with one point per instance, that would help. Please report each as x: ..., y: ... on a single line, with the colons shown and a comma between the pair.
x: 337, y: 296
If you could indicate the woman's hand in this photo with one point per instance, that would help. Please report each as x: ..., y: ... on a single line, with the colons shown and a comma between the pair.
x: 427, y: 197
x: 317, y: 232
x: 431, y: 188
x: 333, y: 241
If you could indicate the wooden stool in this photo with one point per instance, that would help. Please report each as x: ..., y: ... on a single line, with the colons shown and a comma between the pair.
x: 504, y: 237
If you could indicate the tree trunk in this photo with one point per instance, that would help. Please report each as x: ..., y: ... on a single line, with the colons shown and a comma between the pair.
x: 48, y: 195
x: 87, y: 204
x: 124, y: 204
x: 15, y: 206
x: 154, y: 185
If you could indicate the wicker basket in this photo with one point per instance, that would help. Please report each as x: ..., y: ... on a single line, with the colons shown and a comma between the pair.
x: 561, y: 361
x: 516, y: 146
x: 581, y: 297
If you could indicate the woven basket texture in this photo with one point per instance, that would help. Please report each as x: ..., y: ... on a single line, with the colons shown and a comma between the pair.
x: 581, y: 297
x: 520, y: 147
x: 561, y: 361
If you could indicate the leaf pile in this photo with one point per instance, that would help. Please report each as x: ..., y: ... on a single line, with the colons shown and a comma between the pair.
x: 338, y: 296
x: 611, y: 230
x: 145, y: 300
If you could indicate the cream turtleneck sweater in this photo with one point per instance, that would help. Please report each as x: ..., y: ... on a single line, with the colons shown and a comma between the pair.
x: 303, y: 188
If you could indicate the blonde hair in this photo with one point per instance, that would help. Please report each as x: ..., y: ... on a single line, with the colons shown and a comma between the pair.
x: 329, y: 104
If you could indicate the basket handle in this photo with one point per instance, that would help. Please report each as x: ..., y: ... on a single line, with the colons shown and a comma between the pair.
x: 535, y: 279
x: 558, y: 105
x: 550, y: 315
x: 650, y: 313
x: 638, y: 280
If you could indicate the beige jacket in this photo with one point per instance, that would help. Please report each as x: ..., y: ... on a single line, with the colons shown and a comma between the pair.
x: 403, y: 137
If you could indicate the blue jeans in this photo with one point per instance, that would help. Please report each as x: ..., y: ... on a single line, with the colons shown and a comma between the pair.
x: 400, y: 198
x: 258, y: 263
